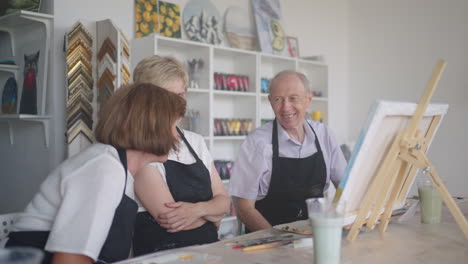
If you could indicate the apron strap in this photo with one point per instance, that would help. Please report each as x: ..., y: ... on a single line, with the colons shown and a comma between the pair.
x: 274, y: 139
x: 194, y: 154
x: 123, y: 160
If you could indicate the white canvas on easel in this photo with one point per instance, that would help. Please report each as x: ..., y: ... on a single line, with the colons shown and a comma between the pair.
x: 385, y: 119
x: 391, y: 168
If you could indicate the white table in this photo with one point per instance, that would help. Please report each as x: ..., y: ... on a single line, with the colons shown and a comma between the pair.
x: 407, y: 242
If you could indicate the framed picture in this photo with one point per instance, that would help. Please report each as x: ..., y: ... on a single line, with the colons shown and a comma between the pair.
x: 293, y: 46
x: 385, y: 120
x: 155, y: 16
x: 270, y: 33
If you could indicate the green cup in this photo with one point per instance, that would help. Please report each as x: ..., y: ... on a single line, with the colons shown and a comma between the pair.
x: 430, y: 202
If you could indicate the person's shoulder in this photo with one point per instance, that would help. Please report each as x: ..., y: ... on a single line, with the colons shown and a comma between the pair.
x: 324, y: 133
x: 192, y: 136
x: 260, y: 135
x: 97, y: 151
x: 320, y: 127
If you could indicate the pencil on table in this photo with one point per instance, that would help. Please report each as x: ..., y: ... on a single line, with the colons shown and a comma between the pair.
x: 265, y: 246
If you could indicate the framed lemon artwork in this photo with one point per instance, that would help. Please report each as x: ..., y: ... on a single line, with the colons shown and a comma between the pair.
x: 152, y: 16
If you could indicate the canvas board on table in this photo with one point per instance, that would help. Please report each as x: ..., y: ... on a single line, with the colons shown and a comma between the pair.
x: 385, y: 119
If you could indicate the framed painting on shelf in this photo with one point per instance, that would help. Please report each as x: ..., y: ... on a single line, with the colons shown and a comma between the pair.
x: 270, y: 32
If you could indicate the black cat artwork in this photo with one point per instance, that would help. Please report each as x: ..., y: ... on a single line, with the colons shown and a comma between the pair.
x: 28, y: 104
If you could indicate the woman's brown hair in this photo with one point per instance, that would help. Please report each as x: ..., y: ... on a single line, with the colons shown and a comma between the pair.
x: 140, y: 116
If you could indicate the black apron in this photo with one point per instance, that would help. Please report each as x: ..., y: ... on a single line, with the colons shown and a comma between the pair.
x: 187, y: 183
x: 293, y: 180
x: 118, y: 241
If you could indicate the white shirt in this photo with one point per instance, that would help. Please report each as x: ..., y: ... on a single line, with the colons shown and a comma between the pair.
x: 77, y: 202
x: 251, y: 173
x: 184, y: 156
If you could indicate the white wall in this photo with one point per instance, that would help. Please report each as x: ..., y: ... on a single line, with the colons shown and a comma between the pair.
x: 322, y: 27
x: 393, y: 48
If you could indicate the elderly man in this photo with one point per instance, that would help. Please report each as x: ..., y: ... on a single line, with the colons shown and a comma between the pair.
x: 285, y: 161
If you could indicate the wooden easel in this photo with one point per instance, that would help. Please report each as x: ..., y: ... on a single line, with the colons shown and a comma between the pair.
x: 398, y: 169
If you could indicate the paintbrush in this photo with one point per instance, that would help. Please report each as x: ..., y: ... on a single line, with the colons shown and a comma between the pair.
x: 267, y: 245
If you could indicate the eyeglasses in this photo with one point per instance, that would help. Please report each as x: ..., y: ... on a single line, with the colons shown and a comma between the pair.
x: 294, y: 100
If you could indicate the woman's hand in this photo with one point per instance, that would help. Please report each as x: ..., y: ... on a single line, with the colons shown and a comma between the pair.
x: 183, y: 215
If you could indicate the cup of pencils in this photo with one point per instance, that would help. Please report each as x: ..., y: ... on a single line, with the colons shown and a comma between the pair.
x: 327, y: 220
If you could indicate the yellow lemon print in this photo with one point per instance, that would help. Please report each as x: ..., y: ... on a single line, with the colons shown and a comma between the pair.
x: 147, y: 16
x: 154, y: 2
x: 155, y: 18
x: 139, y: 35
x: 168, y: 32
x: 144, y: 27
x: 162, y: 9
x: 141, y: 1
x: 137, y: 28
x: 171, y: 13
x: 168, y: 22
x: 148, y: 6
x: 137, y: 8
x: 138, y: 17
x: 176, y: 8
x: 175, y: 27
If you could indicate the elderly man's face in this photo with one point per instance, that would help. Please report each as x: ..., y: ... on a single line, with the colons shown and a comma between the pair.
x: 289, y: 101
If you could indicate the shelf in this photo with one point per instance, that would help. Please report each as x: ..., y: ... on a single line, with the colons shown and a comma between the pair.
x: 321, y: 99
x: 229, y: 137
x: 215, y: 104
x: 218, y: 92
x: 20, y: 24
x: 8, y: 67
x: 234, y: 50
x: 318, y: 63
x: 314, y: 98
x: 13, y: 69
x: 274, y: 56
x: 23, y: 18
x: 194, y: 90
x: 11, y: 118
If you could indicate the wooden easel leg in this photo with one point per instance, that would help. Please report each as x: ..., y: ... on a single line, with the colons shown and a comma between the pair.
x: 380, y: 202
x: 385, y: 219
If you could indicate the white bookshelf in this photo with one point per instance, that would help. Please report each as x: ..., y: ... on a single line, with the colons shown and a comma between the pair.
x: 215, y: 104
